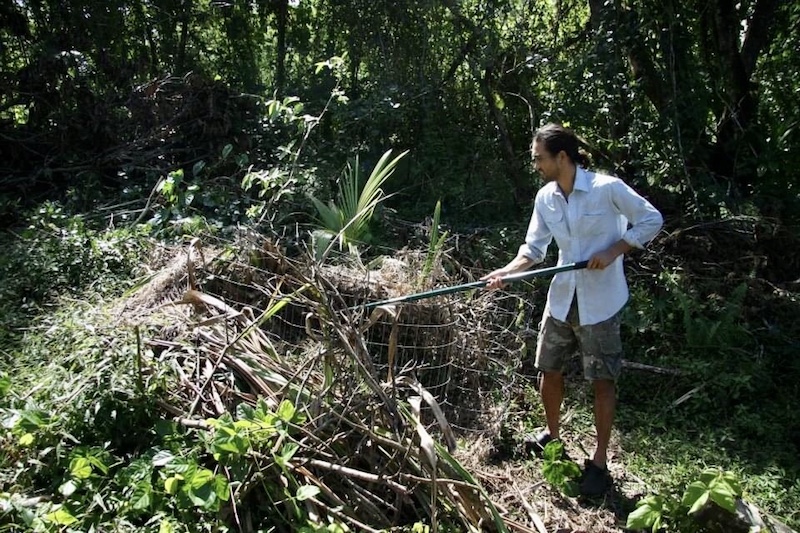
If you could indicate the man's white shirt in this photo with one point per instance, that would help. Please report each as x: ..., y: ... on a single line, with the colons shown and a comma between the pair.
x: 600, y: 211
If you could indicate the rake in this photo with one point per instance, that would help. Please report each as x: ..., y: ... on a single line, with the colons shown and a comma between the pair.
x: 519, y: 276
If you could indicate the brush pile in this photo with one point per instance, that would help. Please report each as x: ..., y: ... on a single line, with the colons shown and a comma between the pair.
x: 313, y: 409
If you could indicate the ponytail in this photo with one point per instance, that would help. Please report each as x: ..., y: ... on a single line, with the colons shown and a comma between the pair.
x: 556, y: 138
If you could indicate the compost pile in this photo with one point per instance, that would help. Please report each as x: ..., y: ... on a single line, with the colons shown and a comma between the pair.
x: 313, y: 401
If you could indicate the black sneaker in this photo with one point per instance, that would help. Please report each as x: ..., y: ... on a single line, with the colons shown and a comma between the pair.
x: 595, y: 480
x: 535, y: 444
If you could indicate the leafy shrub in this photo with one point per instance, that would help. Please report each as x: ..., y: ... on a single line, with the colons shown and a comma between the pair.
x: 58, y: 253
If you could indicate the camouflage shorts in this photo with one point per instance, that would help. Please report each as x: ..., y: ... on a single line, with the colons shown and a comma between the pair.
x: 599, y: 344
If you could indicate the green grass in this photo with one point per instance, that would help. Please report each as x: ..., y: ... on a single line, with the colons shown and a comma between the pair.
x: 669, y: 447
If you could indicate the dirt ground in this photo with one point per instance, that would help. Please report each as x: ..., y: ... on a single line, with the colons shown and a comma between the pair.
x: 518, y: 488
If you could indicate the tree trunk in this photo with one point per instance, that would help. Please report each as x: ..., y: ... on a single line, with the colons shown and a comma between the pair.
x: 620, y: 21
x: 185, y: 21
x: 522, y: 189
x: 739, y: 115
x: 281, y: 15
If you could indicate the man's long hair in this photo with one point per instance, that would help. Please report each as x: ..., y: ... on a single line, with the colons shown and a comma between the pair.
x: 557, y: 138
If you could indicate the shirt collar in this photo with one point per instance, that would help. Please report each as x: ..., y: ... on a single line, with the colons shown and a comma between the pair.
x: 581, y: 179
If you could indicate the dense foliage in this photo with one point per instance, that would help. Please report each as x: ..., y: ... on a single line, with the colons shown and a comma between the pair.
x: 694, y: 100
x: 125, y: 118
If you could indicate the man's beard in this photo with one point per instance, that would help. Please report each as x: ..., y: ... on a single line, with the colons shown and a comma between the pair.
x: 546, y: 178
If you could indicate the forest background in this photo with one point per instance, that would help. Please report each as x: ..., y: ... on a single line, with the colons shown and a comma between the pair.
x: 122, y: 121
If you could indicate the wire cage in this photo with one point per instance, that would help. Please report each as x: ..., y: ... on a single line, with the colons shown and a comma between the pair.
x: 466, y: 349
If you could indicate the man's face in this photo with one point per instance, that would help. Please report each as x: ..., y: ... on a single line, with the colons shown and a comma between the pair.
x: 544, y: 162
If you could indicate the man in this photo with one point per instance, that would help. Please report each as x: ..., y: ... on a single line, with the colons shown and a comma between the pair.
x: 592, y: 217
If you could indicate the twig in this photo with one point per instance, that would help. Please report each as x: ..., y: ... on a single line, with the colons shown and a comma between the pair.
x: 192, y: 423
x: 535, y: 518
x: 342, y: 516
x: 139, y: 382
x: 359, y: 474
x: 650, y: 368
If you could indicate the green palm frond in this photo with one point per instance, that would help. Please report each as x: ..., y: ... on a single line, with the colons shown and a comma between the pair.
x: 348, y: 222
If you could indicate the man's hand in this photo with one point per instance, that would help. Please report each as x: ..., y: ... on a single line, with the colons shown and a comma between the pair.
x: 495, y: 279
x: 601, y: 260
x: 517, y: 264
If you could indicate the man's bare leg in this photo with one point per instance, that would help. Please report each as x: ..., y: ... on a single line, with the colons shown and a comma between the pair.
x: 552, y: 390
x: 605, y: 401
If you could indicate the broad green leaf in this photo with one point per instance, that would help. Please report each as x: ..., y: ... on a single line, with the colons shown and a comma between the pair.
x: 98, y: 463
x: 61, y: 517
x: 307, y: 491
x: 221, y: 488
x: 163, y: 458
x: 553, y: 450
x: 181, y: 465
x: 641, y: 518
x: 202, y: 477
x: 166, y: 527
x: 287, y: 452
x: 245, y: 411
x: 201, y: 488
x: 203, y: 496
x: 696, y: 496
x: 733, y: 482
x: 26, y: 439
x: 647, y: 513
x: 172, y: 483
x: 286, y: 411
x: 226, y: 151
x: 708, y: 476
x: 226, y: 430
x: 245, y: 425
x: 571, y: 469
x: 235, y: 444
x: 553, y: 474
x: 80, y: 468
x: 141, y: 497
x: 723, y: 494
x: 263, y: 413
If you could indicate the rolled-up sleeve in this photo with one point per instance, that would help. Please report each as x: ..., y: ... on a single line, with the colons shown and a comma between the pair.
x: 645, y: 220
x: 538, y: 236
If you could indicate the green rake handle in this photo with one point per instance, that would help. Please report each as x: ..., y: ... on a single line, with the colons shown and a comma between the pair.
x: 520, y: 276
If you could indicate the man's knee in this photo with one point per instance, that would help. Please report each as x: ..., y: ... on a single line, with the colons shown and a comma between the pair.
x: 604, y: 388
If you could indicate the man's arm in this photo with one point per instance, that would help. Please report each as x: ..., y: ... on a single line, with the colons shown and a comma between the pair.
x: 518, y: 264
x: 602, y: 259
x: 645, y: 221
x: 644, y: 218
